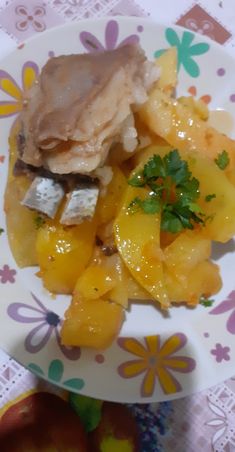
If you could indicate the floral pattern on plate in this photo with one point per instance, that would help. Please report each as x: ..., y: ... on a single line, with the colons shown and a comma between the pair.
x: 157, y: 362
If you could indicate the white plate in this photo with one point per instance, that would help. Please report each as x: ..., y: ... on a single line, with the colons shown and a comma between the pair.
x: 190, y: 350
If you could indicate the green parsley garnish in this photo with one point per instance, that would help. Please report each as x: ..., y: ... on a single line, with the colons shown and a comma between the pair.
x: 1, y: 231
x: 208, y: 198
x: 173, y: 192
x: 206, y: 302
x: 39, y: 221
x: 222, y: 160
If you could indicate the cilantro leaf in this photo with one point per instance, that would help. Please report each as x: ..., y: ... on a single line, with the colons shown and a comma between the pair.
x: 170, y: 222
x: 39, y: 221
x: 173, y: 192
x: 189, y: 189
x: 208, y: 198
x: 154, y: 168
x: 206, y: 302
x: 149, y: 205
x: 222, y: 160
x: 176, y: 168
x: 137, y: 180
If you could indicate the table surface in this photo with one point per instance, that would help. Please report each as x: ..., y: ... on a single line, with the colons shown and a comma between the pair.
x: 204, y: 421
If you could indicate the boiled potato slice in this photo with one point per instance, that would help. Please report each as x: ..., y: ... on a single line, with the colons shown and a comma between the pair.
x: 184, y: 130
x: 95, y: 282
x: 185, y: 252
x: 138, y: 240
x: 203, y: 280
x: 63, y: 253
x: 221, y: 209
x: 91, y: 323
x: 21, y: 227
x: 167, y: 63
x: 109, y: 202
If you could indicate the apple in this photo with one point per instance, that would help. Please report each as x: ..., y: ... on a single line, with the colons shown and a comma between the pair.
x: 41, y: 422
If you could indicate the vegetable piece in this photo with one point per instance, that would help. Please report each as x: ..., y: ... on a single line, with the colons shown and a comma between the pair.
x: 173, y: 192
x: 196, y: 106
x: 91, y: 323
x: 185, y: 252
x: 108, y: 203
x: 138, y: 241
x: 63, y: 253
x: 21, y: 229
x: 203, y: 279
x: 220, y: 211
x: 184, y: 130
x: 95, y: 282
x: 222, y: 160
x: 206, y: 302
x: 188, y: 273
x: 167, y: 63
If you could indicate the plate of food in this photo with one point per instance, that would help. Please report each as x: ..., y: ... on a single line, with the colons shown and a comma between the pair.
x: 117, y: 209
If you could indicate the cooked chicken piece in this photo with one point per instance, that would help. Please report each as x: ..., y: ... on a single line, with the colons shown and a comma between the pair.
x: 80, y: 105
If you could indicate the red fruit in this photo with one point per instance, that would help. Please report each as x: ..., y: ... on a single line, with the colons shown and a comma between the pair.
x: 41, y: 422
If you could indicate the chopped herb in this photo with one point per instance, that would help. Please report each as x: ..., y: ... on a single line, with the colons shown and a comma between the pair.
x: 173, y: 192
x: 39, y: 221
x: 1, y: 231
x: 222, y: 160
x: 208, y: 198
x: 149, y: 205
x: 206, y: 302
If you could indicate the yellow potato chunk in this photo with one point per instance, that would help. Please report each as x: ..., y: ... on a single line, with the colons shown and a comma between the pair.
x: 203, y: 280
x: 108, y: 203
x: 95, y: 282
x: 167, y: 63
x: 63, y: 253
x: 183, y: 129
x: 21, y: 228
x: 138, y: 240
x: 185, y: 252
x: 91, y: 323
x: 221, y: 209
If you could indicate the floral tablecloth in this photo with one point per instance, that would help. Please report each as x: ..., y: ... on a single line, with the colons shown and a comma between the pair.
x: 204, y: 421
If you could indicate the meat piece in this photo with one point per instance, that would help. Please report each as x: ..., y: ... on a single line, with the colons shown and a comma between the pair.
x: 80, y: 105
x: 80, y: 205
x: 44, y: 195
x: 68, y: 181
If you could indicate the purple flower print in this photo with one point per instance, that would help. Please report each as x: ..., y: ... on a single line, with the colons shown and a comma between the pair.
x: 48, y: 322
x: 227, y: 305
x: 7, y: 274
x: 30, y: 18
x: 92, y: 44
x: 221, y: 353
